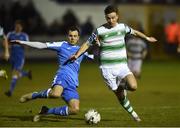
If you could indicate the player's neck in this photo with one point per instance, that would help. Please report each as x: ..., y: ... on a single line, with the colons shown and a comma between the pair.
x: 111, y: 25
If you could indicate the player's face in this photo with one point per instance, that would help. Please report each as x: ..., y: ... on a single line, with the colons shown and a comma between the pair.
x: 73, y: 37
x: 18, y: 27
x: 112, y: 19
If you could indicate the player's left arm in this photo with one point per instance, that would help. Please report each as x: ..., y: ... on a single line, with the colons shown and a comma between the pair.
x: 89, y: 56
x: 142, y: 35
x: 34, y: 44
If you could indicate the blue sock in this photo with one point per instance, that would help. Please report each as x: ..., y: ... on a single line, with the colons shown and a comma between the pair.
x: 13, y: 83
x: 41, y: 94
x: 24, y: 73
x: 63, y: 111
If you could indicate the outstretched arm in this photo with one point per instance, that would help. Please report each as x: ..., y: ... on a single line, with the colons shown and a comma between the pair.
x: 38, y: 45
x: 140, y: 34
x: 86, y: 45
x: 82, y: 49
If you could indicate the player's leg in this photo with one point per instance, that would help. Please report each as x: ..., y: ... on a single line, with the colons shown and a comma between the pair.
x: 74, y: 106
x: 71, y: 109
x: 120, y: 92
x: 54, y: 92
x: 15, y: 77
x: 17, y: 65
x: 131, y: 83
x: 26, y: 74
x: 20, y: 66
x: 124, y: 101
x: 71, y: 97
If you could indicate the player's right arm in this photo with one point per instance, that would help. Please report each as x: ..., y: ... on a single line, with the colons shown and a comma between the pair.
x: 85, y: 46
x: 34, y: 44
x: 82, y: 49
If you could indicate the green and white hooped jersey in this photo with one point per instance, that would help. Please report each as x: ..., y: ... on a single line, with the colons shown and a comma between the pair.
x: 112, y: 44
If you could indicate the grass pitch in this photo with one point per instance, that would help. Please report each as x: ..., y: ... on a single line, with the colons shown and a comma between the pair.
x: 157, y: 100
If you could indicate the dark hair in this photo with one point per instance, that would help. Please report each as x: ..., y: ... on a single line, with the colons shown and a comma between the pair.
x: 110, y: 9
x: 73, y: 28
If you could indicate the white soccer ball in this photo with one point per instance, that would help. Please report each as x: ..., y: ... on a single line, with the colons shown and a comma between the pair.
x: 92, y: 117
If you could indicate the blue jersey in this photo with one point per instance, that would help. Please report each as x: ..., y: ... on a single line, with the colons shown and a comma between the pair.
x: 64, y: 51
x: 16, y: 49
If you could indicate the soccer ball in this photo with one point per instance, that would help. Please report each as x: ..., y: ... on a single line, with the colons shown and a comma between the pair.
x: 92, y: 117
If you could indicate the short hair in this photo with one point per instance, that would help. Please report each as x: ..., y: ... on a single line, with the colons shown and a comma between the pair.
x: 110, y: 9
x: 73, y: 28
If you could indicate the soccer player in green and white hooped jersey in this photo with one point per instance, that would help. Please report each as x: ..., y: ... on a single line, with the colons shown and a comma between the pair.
x: 113, y: 58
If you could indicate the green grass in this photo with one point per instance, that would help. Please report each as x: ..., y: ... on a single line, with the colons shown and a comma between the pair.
x: 157, y: 99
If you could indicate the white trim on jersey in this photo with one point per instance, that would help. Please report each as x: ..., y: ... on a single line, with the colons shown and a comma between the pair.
x: 89, y: 55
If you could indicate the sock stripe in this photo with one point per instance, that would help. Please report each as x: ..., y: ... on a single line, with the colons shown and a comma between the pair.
x: 126, y: 104
x: 130, y: 109
x: 48, y: 92
x: 67, y: 112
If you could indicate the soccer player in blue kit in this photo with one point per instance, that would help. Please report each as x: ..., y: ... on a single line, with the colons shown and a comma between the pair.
x: 17, y: 56
x: 65, y: 82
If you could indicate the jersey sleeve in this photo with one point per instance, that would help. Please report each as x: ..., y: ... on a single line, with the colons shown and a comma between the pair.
x: 54, y: 45
x: 92, y: 39
x: 26, y: 37
x: 88, y: 56
x: 128, y: 30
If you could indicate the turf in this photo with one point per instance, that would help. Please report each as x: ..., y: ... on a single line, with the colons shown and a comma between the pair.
x: 157, y: 99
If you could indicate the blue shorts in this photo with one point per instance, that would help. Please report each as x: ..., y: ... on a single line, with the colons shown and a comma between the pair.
x: 70, y: 89
x: 17, y: 63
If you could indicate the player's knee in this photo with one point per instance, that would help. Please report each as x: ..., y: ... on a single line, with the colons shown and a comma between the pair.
x: 54, y: 95
x: 74, y: 110
x: 133, y: 87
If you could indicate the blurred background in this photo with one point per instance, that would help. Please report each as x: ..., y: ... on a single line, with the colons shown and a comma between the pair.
x: 47, y: 20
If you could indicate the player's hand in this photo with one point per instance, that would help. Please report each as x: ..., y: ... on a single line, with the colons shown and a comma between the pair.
x: 15, y: 41
x: 97, y: 41
x: 73, y: 58
x: 151, y: 39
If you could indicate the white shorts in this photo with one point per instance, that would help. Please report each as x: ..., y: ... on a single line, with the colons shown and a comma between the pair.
x: 113, y: 76
x: 135, y: 65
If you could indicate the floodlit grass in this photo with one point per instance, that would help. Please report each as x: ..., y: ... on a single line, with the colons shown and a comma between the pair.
x: 157, y: 100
